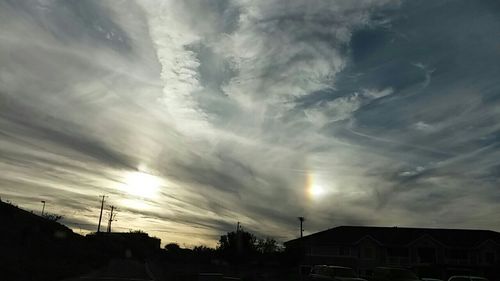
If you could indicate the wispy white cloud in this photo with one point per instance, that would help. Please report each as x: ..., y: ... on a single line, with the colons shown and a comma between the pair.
x: 240, y: 107
x: 336, y: 110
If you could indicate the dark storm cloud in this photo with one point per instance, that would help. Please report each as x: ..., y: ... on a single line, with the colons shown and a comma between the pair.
x: 43, y: 126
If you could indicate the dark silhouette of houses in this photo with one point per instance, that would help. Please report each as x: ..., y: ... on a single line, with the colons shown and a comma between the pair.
x: 36, y: 248
x: 430, y: 252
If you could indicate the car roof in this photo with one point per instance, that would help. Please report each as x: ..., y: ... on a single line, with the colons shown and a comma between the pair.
x: 468, y: 276
x: 391, y: 268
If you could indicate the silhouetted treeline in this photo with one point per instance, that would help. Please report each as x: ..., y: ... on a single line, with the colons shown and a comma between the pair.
x: 200, y: 254
x: 242, y: 246
x: 234, y: 248
x: 240, y: 255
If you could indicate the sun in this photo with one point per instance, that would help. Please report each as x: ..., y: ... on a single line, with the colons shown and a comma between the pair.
x: 316, y: 190
x: 142, y: 185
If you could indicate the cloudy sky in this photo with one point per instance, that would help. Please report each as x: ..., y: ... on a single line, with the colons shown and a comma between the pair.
x: 193, y: 115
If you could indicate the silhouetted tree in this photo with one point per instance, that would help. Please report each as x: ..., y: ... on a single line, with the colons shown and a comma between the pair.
x: 203, y: 254
x: 267, y: 246
x: 172, y: 247
x: 238, y: 246
x: 53, y: 217
x: 203, y: 249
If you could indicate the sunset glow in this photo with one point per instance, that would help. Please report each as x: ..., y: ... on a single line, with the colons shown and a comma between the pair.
x: 142, y: 185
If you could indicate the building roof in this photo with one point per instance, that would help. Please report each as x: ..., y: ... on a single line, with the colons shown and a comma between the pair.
x: 399, y: 236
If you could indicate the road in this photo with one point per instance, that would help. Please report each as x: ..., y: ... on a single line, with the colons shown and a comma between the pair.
x: 119, y: 270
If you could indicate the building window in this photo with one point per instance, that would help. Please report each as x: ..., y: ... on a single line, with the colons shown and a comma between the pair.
x: 398, y: 252
x: 489, y: 257
x: 458, y: 254
x: 427, y: 255
x: 322, y: 251
x: 368, y: 253
x: 344, y: 251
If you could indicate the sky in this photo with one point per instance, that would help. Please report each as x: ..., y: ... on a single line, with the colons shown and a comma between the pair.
x: 191, y: 116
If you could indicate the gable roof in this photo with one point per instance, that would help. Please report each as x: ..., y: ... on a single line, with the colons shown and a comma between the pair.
x: 399, y: 236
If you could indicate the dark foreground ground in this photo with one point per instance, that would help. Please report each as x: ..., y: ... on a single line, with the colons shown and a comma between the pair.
x: 133, y: 270
x: 120, y: 269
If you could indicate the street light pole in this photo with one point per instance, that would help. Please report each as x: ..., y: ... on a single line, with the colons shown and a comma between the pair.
x: 43, y: 207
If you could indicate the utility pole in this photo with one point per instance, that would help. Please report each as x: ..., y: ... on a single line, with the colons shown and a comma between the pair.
x: 301, y: 219
x: 111, y: 218
x: 100, y: 215
x: 239, y: 242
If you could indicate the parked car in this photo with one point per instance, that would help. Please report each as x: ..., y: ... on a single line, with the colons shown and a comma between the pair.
x: 330, y: 272
x: 393, y: 274
x: 467, y: 278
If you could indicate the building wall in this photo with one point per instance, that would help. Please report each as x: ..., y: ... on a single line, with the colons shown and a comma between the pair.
x: 425, y: 255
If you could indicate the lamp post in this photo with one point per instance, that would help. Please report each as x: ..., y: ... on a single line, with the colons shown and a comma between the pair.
x: 43, y: 207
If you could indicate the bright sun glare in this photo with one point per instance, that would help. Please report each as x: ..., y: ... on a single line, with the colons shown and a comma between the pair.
x: 316, y: 190
x: 142, y: 185
x: 313, y: 188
